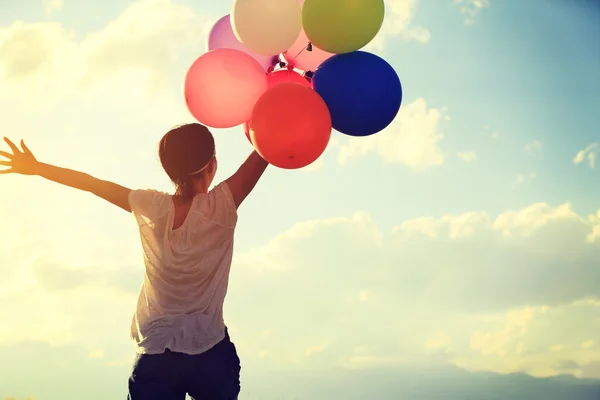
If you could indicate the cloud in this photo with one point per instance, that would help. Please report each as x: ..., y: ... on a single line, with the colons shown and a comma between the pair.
x: 495, y: 342
x: 471, y: 8
x: 411, y: 140
x: 56, y: 277
x: 467, y: 156
x: 474, y: 290
x: 52, y: 6
x: 131, y: 70
x: 137, y: 51
x: 482, y: 292
x: 533, y: 148
x: 586, y: 369
x: 590, y: 154
x: 539, y: 255
x: 522, y: 178
x: 30, y: 49
x: 149, y: 36
x: 398, y: 23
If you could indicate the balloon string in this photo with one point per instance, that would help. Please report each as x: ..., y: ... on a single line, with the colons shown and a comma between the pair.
x: 308, y: 47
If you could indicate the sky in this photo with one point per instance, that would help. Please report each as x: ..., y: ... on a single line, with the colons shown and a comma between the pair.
x: 453, y: 255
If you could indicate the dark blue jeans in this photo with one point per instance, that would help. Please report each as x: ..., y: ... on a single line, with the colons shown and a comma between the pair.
x: 212, y: 375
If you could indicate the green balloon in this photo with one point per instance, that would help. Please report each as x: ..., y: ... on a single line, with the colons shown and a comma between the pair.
x: 342, y: 26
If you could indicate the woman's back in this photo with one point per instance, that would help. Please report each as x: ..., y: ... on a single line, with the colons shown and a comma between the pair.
x: 180, y: 305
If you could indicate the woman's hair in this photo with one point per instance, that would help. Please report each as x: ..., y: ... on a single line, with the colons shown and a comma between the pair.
x: 185, y: 152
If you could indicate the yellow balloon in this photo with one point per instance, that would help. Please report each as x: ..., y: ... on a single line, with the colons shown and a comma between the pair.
x: 342, y: 26
x: 266, y: 27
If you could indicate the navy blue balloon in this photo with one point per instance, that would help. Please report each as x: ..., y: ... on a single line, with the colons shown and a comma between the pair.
x: 363, y: 92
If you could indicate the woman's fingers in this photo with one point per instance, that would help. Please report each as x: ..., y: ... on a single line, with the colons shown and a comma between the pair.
x: 24, y: 147
x: 12, y: 146
x: 5, y: 154
x: 7, y: 163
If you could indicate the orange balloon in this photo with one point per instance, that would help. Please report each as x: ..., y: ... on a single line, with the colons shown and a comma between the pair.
x: 290, y: 126
x: 286, y: 75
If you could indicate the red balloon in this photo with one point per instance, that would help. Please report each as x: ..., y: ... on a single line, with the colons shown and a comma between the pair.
x: 246, y: 128
x: 286, y: 75
x: 275, y: 78
x: 290, y: 126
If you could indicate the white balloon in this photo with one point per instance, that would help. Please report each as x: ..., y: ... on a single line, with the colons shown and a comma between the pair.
x: 266, y: 27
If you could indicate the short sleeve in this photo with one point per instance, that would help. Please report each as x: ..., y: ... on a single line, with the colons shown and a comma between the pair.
x: 147, y: 203
x: 220, y: 206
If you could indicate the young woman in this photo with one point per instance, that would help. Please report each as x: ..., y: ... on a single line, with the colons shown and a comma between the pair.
x: 187, y: 240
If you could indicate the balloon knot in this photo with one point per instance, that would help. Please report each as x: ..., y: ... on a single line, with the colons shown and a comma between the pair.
x: 309, y: 74
x: 309, y: 47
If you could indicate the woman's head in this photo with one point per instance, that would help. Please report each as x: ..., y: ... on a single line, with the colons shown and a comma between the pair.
x: 187, y: 154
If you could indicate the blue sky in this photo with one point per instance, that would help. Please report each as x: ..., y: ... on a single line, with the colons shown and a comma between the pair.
x: 461, y: 239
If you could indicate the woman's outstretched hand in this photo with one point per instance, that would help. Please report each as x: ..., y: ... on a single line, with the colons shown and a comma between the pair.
x: 20, y: 161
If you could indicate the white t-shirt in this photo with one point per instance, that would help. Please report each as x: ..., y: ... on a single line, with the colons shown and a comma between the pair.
x: 180, y: 305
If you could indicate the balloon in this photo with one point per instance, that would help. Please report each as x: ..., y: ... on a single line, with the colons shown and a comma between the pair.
x: 290, y: 126
x: 221, y: 36
x: 300, y: 57
x: 362, y: 91
x: 222, y: 86
x: 246, y: 128
x: 266, y: 26
x: 275, y: 78
x: 286, y: 75
x: 342, y: 26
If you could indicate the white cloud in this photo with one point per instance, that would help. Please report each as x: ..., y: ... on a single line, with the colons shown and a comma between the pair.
x: 472, y: 288
x: 450, y: 261
x: 480, y: 291
x: 30, y: 50
x: 124, y: 78
x: 412, y: 139
x: 467, y: 156
x: 514, y: 326
x: 398, y: 24
x: 533, y: 148
x: 471, y: 8
x: 589, y: 154
x: 132, y: 56
x: 52, y: 6
x: 522, y: 178
x: 440, y: 340
x: 149, y: 36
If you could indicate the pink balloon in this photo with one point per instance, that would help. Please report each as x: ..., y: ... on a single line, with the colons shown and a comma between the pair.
x: 222, y: 86
x: 222, y: 36
x: 299, y: 57
x: 284, y: 76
